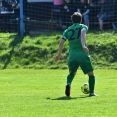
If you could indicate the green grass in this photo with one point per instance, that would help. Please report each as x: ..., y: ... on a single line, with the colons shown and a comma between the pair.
x: 38, y: 51
x: 40, y: 93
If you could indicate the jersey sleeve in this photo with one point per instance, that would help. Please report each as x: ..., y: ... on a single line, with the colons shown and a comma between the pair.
x: 64, y: 36
x: 84, y: 27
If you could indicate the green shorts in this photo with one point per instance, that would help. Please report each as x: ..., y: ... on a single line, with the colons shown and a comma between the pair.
x: 83, y: 61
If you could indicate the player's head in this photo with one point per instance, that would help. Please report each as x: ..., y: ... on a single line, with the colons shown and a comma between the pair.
x: 76, y: 17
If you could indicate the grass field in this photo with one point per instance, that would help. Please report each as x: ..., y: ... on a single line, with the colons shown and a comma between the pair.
x: 40, y: 93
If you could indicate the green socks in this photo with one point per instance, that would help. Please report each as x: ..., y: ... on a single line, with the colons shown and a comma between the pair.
x: 70, y: 78
x: 91, y: 83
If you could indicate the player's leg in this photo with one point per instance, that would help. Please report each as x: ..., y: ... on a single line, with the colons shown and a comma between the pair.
x: 73, y: 66
x: 91, y: 83
x: 87, y: 68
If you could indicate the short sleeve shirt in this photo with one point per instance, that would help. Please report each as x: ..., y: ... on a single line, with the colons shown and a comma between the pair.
x: 73, y: 35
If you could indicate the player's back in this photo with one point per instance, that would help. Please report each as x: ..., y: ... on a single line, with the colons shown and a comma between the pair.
x: 73, y: 34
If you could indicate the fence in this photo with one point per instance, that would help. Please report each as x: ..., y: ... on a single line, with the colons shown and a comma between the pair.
x: 42, y: 15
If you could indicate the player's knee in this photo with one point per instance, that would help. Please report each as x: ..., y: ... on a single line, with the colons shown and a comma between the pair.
x: 73, y: 73
x: 91, y: 73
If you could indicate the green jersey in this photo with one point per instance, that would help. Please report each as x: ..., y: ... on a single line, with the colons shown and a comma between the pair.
x: 73, y: 35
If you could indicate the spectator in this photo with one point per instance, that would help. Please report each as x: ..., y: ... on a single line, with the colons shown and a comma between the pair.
x: 8, y: 4
x: 96, y: 2
x: 16, y: 8
x: 115, y: 17
x: 17, y: 15
x: 106, y: 12
x: 7, y: 8
x: 101, y: 2
x: 57, y: 6
x: 67, y: 10
x: 0, y: 4
x: 83, y: 8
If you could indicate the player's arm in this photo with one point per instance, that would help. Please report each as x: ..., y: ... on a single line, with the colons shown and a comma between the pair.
x: 61, y: 43
x: 83, y: 40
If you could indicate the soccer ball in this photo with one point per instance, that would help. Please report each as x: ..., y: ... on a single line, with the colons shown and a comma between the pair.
x: 85, y: 88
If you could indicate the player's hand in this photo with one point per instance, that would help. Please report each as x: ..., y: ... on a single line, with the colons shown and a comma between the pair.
x: 86, y: 49
x: 57, y: 57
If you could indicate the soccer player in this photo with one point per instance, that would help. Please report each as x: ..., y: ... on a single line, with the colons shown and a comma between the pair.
x: 78, y: 52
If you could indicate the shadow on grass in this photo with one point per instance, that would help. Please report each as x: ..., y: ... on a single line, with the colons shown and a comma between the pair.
x: 67, y: 98
x: 84, y: 96
x: 62, y: 98
x: 12, y: 45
